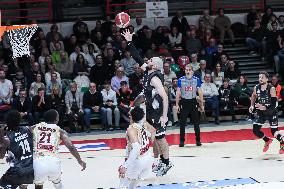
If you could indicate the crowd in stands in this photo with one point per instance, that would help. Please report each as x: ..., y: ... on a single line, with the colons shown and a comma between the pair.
x: 96, y: 71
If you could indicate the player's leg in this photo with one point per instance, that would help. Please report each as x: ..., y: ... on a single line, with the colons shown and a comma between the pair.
x: 257, y: 131
x: 55, y: 173
x: 279, y: 135
x: 184, y: 111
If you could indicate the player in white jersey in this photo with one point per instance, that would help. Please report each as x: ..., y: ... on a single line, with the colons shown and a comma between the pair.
x: 47, y: 137
x: 138, y: 160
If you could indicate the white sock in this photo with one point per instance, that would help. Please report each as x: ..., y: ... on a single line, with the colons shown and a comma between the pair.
x: 58, y: 186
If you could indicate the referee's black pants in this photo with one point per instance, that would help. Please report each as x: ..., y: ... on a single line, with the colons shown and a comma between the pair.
x: 189, y: 106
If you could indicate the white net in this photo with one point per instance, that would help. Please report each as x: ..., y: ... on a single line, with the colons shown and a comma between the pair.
x: 20, y: 40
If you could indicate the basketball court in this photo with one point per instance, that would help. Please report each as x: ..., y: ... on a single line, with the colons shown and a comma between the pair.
x: 229, y: 158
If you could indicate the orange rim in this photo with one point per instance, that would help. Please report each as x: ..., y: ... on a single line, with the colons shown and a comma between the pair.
x: 8, y: 28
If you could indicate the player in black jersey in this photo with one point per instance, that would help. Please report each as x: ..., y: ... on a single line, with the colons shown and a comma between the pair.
x: 18, y: 141
x: 156, y: 100
x: 265, y: 101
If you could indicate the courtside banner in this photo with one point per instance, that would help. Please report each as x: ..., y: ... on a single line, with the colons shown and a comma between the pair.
x: 157, y: 9
x: 85, y: 147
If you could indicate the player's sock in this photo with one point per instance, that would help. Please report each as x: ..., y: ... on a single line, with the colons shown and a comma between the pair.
x: 58, y: 185
x: 265, y: 138
x: 162, y: 157
x: 166, y: 161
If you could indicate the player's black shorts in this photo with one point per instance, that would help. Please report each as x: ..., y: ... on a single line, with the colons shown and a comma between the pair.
x: 153, y: 118
x: 18, y: 175
x: 270, y: 115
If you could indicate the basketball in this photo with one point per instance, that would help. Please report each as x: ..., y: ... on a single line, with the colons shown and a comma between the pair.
x: 122, y: 20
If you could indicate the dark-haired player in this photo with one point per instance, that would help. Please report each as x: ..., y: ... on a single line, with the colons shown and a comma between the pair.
x: 138, y: 163
x: 47, y: 137
x: 265, y: 101
x: 18, y: 141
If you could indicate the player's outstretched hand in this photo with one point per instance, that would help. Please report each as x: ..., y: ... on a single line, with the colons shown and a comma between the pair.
x: 127, y: 35
x: 83, y: 165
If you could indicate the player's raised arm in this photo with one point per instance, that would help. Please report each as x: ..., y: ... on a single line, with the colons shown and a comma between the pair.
x: 67, y: 142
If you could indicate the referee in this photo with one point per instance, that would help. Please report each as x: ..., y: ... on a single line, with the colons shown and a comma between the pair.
x: 186, y: 102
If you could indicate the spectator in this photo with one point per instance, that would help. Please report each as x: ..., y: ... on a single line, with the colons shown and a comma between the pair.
x: 218, y: 75
x: 172, y: 102
x: 207, y: 20
x: 272, y: 38
x: 51, y: 70
x: 255, y: 38
x: 81, y: 31
x: 109, y: 61
x: 138, y: 25
x: 80, y: 67
x: 281, y: 22
x: 52, y: 33
x: 91, y: 55
x: 56, y: 40
x: 74, y: 107
x: 273, y: 19
x: 6, y: 89
x: 43, y: 55
x: 168, y: 75
x: 128, y: 63
x: 53, y: 83
x: 106, y: 27
x: 135, y: 80
x: 266, y: 16
x: 200, y: 73
x: 74, y: 55
x: 99, y: 72
x: 194, y: 63
x: 44, y: 67
x: 56, y: 53
x: 192, y: 43
x: 175, y: 38
x: 64, y: 66
x: 36, y: 85
x: 180, y: 22
x: 224, y: 62
x: 227, y: 99
x: 97, y: 28
x: 153, y: 51
x: 223, y: 25
x: 57, y: 103
x: 32, y: 74
x: 20, y: 77
x: 99, y: 40
x: 210, y: 94
x: 232, y: 72
x: 120, y: 76
x: 242, y: 91
x: 160, y: 37
x: 92, y: 103
x: 217, y: 55
x: 22, y: 103
x: 279, y: 59
x: 124, y: 100
x: 109, y: 107
x: 251, y: 17
x: 40, y: 104
x: 71, y: 44
x: 146, y: 40
x: 278, y: 87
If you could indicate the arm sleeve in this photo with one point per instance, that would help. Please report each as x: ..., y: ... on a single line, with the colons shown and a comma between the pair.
x: 198, y: 83
x: 179, y: 83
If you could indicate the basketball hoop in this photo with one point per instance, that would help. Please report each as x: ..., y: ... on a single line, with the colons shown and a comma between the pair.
x: 19, y: 36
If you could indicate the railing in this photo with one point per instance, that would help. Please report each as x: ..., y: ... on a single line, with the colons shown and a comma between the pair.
x: 26, y: 11
x: 213, y: 6
x: 216, y: 4
x: 109, y: 7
